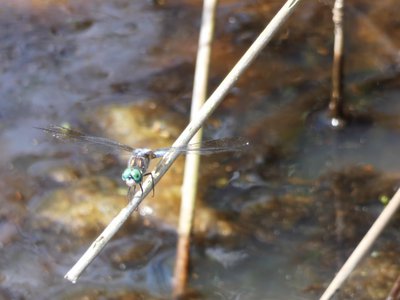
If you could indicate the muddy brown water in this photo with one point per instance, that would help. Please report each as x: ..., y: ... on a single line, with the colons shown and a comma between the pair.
x: 275, y: 222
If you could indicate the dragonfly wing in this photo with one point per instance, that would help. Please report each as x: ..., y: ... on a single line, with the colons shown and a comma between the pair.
x: 68, y: 134
x: 229, y: 144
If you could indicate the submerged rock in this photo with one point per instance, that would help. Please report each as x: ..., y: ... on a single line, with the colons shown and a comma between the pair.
x: 86, y: 205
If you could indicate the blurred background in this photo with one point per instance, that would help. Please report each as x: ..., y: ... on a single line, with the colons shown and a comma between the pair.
x: 274, y: 222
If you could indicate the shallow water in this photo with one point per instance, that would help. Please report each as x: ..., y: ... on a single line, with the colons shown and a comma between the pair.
x: 276, y: 222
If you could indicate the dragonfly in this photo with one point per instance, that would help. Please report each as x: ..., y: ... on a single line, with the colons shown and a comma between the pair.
x: 140, y: 158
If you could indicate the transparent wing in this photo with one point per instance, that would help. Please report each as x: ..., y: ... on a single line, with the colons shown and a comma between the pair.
x: 67, y: 134
x: 209, y: 147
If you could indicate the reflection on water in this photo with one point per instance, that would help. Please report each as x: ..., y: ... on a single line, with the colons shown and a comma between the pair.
x: 275, y: 222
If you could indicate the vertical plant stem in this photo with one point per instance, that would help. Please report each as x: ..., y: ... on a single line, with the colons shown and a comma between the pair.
x: 206, y: 110
x: 189, y: 187
x: 363, y: 246
x: 336, y: 103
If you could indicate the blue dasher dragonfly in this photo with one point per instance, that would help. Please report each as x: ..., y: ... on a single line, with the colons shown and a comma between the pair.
x: 140, y: 158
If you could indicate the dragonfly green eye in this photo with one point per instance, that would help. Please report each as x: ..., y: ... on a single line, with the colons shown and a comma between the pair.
x: 136, y: 175
x: 132, y: 176
x: 125, y: 174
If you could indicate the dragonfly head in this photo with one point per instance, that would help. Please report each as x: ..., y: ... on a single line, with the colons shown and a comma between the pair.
x: 132, y: 176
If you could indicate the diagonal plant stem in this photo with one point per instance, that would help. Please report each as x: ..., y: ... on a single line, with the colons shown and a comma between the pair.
x: 206, y: 110
x: 363, y: 246
x: 189, y: 186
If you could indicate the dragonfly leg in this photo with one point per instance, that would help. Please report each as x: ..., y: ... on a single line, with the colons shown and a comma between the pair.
x: 131, y: 192
x: 141, y: 188
x: 152, y: 181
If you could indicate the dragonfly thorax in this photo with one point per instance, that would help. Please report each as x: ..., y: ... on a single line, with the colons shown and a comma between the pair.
x: 142, y: 152
x: 142, y: 162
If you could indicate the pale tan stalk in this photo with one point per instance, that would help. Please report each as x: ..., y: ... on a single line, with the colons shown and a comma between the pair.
x: 189, y: 187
